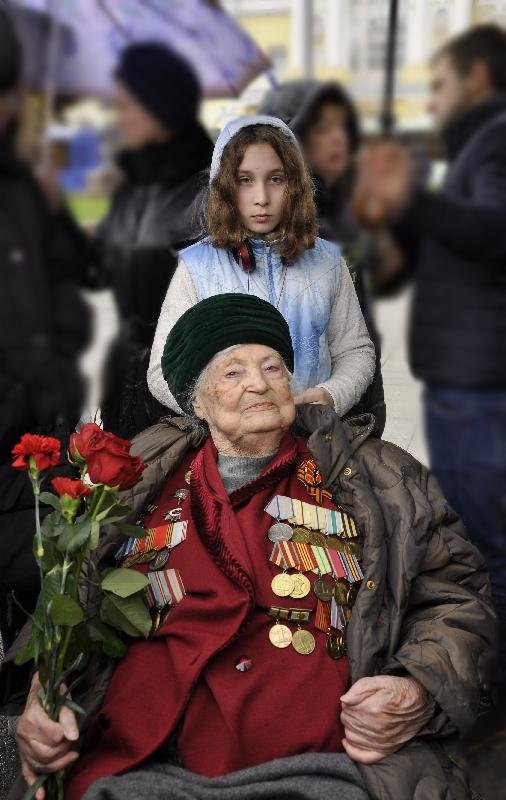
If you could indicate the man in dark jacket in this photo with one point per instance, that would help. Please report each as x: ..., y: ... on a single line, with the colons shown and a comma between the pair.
x: 164, y: 151
x: 326, y: 122
x: 44, y: 326
x: 458, y: 325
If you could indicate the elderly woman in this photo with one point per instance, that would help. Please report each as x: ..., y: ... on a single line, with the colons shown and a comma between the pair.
x: 322, y: 625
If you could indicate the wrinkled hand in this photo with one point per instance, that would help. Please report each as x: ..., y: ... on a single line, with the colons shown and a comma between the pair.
x: 317, y: 395
x: 384, y: 183
x: 380, y: 714
x: 44, y: 745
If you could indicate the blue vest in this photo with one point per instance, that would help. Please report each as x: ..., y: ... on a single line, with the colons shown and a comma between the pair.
x: 304, y: 292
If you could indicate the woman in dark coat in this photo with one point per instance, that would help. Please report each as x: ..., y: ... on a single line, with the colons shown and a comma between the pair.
x: 164, y: 151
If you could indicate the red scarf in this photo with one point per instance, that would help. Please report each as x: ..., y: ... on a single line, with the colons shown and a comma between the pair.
x: 188, y: 674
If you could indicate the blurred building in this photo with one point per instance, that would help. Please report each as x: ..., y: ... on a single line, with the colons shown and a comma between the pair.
x: 346, y: 41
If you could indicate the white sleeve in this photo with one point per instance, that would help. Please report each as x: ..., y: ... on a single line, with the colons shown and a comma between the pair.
x: 352, y: 353
x: 181, y: 295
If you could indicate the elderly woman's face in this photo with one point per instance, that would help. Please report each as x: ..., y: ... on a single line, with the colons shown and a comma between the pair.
x: 245, y: 392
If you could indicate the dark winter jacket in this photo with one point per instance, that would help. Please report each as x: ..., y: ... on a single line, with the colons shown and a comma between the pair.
x: 458, y: 324
x: 151, y: 218
x: 423, y: 609
x: 44, y: 326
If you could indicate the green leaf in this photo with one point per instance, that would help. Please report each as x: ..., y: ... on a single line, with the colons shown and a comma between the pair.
x: 128, y: 614
x: 65, y: 611
x: 111, y: 643
x: 74, y: 536
x: 52, y: 582
x: 50, y: 499
x: 135, y: 531
x: 52, y: 525
x: 74, y: 706
x: 27, y: 653
x: 124, y: 582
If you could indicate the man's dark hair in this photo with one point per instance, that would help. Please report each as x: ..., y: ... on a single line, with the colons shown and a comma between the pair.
x: 485, y: 43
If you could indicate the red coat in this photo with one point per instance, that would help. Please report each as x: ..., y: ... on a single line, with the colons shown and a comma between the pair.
x: 286, y: 704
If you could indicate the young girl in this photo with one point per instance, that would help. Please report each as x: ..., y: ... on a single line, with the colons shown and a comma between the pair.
x: 262, y: 240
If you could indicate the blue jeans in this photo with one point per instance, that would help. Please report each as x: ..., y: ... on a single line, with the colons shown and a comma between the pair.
x: 466, y: 431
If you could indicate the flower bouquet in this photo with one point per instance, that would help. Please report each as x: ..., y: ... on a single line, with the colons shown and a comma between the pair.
x: 64, y: 629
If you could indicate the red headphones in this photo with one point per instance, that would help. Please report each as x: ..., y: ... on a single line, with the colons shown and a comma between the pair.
x: 245, y: 257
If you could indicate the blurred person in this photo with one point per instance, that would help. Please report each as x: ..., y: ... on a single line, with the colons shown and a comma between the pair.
x: 44, y: 327
x: 327, y: 125
x: 262, y: 240
x: 164, y: 151
x: 458, y: 322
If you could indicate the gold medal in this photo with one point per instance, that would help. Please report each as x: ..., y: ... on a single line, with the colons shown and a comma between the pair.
x: 301, y: 586
x: 352, y: 593
x: 280, y: 635
x: 303, y: 642
x: 301, y: 535
x: 282, y: 585
x: 318, y: 539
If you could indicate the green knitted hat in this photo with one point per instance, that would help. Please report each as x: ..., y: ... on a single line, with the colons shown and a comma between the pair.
x: 213, y: 325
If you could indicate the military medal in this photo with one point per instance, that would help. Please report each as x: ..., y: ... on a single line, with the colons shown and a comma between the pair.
x: 280, y: 532
x: 341, y: 590
x: 280, y: 635
x: 336, y: 645
x: 309, y: 474
x: 301, y: 587
x: 282, y: 585
x: 160, y: 559
x: 323, y: 590
x: 165, y: 588
x: 181, y: 494
x: 284, y: 555
x: 303, y: 642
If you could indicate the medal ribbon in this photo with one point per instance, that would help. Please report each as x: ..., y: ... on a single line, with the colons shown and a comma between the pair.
x: 337, y: 615
x: 322, y: 621
x: 307, y: 559
x: 163, y: 536
x: 165, y: 588
x: 285, y: 555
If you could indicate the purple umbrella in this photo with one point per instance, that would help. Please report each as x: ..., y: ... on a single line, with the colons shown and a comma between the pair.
x: 86, y: 37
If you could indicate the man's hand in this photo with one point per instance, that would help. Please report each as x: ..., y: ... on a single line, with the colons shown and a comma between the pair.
x: 384, y: 184
x: 44, y: 745
x: 317, y: 395
x: 381, y: 714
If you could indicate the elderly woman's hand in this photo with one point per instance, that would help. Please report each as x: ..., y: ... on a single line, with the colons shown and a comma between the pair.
x: 380, y: 714
x: 44, y: 745
x: 317, y: 395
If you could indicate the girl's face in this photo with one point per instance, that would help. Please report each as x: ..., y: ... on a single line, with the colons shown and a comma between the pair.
x: 261, y: 189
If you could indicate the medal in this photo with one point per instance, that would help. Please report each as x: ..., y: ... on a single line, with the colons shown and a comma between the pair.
x: 336, y: 646
x: 280, y: 532
x: 303, y: 642
x: 309, y: 474
x: 323, y: 590
x: 280, y: 507
x: 282, y: 585
x: 284, y: 555
x: 322, y: 622
x: 181, y: 494
x: 160, y: 559
x: 174, y: 515
x: 280, y: 635
x: 165, y: 588
x: 301, y: 587
x: 301, y: 535
x: 351, y: 595
x: 318, y: 539
x: 307, y: 560
x: 341, y: 590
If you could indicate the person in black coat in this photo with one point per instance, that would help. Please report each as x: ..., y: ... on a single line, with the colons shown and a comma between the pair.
x: 457, y: 240
x: 165, y: 153
x: 326, y: 122
x: 44, y: 327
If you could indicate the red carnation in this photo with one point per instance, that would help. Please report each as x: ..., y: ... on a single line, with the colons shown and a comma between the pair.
x: 45, y: 451
x: 70, y: 487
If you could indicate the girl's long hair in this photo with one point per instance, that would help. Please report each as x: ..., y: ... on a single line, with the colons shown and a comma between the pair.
x: 298, y: 227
